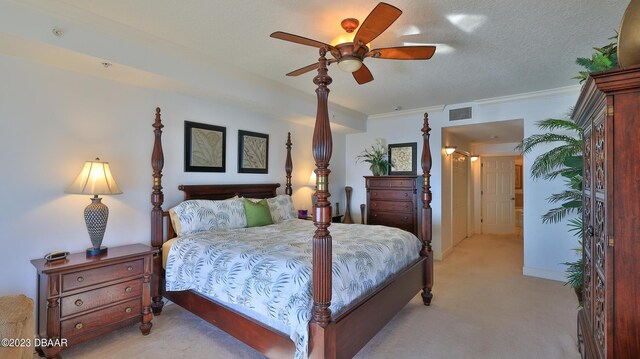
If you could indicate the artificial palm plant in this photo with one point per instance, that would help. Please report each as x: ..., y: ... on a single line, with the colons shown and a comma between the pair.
x: 565, y: 160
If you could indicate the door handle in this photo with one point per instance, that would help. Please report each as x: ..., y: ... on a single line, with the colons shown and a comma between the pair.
x: 513, y: 198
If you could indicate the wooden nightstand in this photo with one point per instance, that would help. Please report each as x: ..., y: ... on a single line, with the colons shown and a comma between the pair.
x: 81, y: 297
x: 334, y: 219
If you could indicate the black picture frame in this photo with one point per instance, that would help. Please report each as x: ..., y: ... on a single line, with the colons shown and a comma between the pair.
x: 253, y: 152
x: 205, y: 147
x: 408, y: 165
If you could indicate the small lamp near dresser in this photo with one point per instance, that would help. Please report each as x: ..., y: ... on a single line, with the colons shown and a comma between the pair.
x: 95, y: 179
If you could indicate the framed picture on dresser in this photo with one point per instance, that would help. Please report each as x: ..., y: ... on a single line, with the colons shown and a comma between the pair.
x: 402, y: 157
x: 253, y: 152
x: 204, y: 147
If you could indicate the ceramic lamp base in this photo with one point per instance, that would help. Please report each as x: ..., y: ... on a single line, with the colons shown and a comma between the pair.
x: 96, y: 251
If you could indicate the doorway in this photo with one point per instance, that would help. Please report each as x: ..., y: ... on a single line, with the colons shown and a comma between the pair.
x: 498, y: 195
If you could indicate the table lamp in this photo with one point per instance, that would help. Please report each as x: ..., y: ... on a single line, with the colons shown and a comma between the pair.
x: 312, y: 183
x: 95, y: 179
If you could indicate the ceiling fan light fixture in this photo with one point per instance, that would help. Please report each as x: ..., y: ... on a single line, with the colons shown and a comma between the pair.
x: 349, y: 64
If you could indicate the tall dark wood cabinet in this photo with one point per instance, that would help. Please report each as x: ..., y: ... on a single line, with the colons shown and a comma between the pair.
x: 609, y: 112
x: 392, y: 201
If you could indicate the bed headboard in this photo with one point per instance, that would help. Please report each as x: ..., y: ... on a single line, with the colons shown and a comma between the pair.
x: 224, y: 191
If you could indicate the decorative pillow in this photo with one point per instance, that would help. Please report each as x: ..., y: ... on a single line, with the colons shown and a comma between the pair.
x: 281, y: 208
x: 205, y: 215
x: 257, y: 213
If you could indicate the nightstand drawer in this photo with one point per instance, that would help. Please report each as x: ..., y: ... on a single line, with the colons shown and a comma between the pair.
x: 400, y: 206
x: 85, y: 323
x: 89, y: 277
x: 100, y: 297
x: 393, y: 195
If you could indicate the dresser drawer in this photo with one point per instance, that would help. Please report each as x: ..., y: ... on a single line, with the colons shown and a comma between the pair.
x: 100, y: 297
x: 89, y: 277
x: 392, y: 195
x: 85, y: 323
x: 390, y: 182
x: 397, y: 220
x: 392, y: 206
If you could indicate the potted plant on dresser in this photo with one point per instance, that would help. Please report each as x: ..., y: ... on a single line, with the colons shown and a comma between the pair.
x: 377, y: 157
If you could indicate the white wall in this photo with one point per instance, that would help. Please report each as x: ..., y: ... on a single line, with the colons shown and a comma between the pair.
x: 52, y: 120
x: 546, y: 246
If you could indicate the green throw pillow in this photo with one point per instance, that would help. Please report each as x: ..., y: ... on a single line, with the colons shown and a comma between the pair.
x: 257, y: 213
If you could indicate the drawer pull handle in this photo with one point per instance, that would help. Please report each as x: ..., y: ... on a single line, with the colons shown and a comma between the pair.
x: 375, y: 205
x: 406, y: 194
x: 129, y: 268
x: 406, y: 217
x: 80, y: 279
x: 128, y: 310
x: 128, y: 289
x: 79, y: 326
x: 79, y: 303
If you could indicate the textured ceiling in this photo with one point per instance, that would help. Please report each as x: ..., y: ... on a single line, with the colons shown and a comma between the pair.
x: 496, y: 47
x: 491, y: 132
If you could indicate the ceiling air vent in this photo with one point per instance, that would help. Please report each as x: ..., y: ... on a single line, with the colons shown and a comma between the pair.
x: 460, y: 114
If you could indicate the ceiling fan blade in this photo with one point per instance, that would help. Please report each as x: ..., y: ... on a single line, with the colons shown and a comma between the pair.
x: 380, y: 18
x: 306, y: 69
x: 300, y: 40
x: 363, y: 75
x: 403, y: 53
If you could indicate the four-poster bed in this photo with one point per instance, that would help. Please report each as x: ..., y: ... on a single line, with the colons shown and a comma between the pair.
x: 339, y: 335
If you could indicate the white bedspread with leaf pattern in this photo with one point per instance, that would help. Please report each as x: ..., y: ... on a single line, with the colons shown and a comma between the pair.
x: 268, y: 269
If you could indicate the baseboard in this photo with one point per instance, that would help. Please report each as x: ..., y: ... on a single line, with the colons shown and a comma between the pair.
x: 446, y: 253
x: 544, y: 273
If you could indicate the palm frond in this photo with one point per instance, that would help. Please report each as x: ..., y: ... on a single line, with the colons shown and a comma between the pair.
x: 557, y: 214
x: 576, y: 227
x: 553, y: 159
x: 552, y: 124
x: 529, y: 143
x: 568, y: 195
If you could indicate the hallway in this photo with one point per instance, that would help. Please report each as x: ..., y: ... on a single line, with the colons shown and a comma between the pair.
x: 483, y: 308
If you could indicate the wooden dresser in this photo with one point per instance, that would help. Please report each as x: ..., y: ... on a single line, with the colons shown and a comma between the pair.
x: 609, y: 112
x: 81, y: 297
x: 392, y: 201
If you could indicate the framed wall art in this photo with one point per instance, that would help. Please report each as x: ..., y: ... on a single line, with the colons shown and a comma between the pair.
x: 253, y: 152
x: 204, y: 147
x: 402, y: 157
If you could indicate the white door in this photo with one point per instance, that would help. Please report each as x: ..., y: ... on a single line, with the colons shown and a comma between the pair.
x: 459, y: 198
x: 498, y: 195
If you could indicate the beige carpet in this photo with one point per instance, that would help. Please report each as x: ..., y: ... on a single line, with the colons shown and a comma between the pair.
x: 483, y: 308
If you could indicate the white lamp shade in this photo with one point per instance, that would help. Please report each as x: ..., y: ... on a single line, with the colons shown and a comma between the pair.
x: 312, y: 179
x: 94, y: 179
x: 350, y: 64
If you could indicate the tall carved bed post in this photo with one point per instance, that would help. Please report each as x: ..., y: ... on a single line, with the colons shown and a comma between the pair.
x: 322, y: 148
x: 288, y: 166
x: 426, y: 212
x: 157, y: 198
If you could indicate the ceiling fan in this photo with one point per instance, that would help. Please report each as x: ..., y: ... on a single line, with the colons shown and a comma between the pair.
x: 350, y: 54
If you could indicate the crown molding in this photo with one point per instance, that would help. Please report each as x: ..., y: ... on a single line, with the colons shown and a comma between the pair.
x: 566, y: 90
x: 415, y: 111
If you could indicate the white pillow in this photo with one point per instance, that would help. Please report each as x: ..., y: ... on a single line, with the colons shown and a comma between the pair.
x: 206, y: 215
x: 281, y: 208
